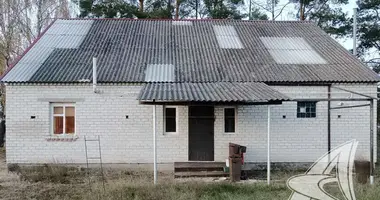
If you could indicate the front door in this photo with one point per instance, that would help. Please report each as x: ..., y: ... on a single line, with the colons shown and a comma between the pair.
x: 201, y: 133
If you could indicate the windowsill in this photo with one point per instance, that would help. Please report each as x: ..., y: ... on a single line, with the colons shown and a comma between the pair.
x: 171, y: 133
x: 229, y: 133
x: 63, y: 138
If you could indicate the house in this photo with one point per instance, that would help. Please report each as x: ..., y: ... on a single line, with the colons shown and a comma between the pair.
x: 207, y: 82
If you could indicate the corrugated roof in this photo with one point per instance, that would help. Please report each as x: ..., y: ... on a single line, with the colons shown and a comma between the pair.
x: 63, y: 34
x: 210, y: 92
x: 125, y: 48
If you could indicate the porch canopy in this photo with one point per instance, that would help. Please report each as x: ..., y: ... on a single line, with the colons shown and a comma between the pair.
x: 220, y: 92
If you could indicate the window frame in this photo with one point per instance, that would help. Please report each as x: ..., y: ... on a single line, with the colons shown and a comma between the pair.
x: 176, y: 119
x: 52, y: 115
x: 306, y: 117
x: 235, y: 121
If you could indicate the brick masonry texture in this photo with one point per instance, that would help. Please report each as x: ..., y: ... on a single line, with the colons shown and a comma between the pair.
x: 130, y: 140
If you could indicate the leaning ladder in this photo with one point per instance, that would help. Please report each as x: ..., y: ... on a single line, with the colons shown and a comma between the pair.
x: 99, y: 158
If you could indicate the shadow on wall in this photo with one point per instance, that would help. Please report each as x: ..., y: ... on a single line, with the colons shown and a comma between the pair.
x: 2, y: 129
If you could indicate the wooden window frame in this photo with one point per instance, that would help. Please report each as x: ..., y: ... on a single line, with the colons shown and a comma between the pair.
x: 52, y: 115
x: 224, y: 120
x: 176, y: 119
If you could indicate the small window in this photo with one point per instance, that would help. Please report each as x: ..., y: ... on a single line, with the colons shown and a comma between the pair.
x: 170, y: 119
x: 63, y: 119
x: 229, y: 120
x: 306, y: 109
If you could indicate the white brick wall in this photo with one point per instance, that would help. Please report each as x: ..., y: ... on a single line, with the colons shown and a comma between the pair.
x: 130, y: 140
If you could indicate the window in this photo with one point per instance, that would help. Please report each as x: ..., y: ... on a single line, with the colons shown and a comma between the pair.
x: 170, y: 119
x: 63, y: 119
x: 306, y: 109
x: 229, y: 120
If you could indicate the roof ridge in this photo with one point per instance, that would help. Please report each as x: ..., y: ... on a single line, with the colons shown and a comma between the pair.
x: 192, y: 20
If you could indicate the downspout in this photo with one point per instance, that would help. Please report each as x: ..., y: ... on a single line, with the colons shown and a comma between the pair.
x: 94, y: 74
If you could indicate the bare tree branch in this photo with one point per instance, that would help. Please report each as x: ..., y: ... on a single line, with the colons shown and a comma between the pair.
x: 282, y: 9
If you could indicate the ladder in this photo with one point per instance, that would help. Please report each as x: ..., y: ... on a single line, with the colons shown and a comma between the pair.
x: 98, y: 157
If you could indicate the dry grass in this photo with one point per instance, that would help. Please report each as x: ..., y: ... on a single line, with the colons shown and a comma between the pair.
x: 56, y: 182
x: 49, y: 182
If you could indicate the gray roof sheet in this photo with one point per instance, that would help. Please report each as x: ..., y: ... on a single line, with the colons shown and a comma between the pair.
x: 125, y: 48
x: 63, y: 34
x: 223, y: 92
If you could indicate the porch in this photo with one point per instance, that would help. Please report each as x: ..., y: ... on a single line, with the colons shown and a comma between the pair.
x: 202, y: 99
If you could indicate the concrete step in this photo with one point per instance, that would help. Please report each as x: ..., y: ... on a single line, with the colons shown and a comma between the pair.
x: 198, y: 166
x: 201, y: 174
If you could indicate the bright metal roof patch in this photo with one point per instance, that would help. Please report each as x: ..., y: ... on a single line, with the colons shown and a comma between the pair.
x: 183, y: 23
x: 159, y: 73
x: 67, y: 34
x: 227, y: 37
x: 291, y: 50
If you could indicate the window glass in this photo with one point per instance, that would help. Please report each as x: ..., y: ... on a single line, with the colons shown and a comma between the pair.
x: 58, y: 125
x: 58, y: 110
x: 229, y: 120
x: 170, y: 120
x: 306, y: 109
x: 63, y: 121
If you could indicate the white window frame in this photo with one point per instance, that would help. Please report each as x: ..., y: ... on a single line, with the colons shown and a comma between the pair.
x: 176, y: 119
x: 236, y: 120
x: 52, y: 115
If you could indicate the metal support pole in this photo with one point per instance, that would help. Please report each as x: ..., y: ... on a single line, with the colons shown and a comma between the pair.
x: 329, y: 121
x: 355, y: 106
x: 154, y: 145
x: 268, y: 146
x: 354, y: 33
x: 371, y: 142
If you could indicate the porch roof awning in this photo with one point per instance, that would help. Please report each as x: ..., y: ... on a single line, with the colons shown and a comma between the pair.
x: 221, y: 92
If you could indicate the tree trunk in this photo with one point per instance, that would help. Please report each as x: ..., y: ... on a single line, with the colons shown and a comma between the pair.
x: 302, y: 11
x: 177, y: 9
x: 141, y: 9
